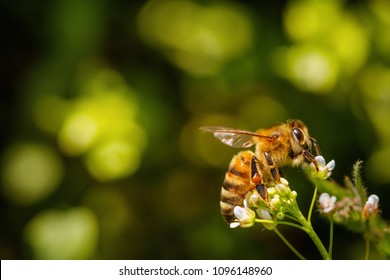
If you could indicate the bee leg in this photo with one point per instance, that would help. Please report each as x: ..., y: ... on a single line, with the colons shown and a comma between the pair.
x: 280, y: 173
x: 273, y: 169
x: 316, y: 146
x: 257, y: 179
x: 309, y: 156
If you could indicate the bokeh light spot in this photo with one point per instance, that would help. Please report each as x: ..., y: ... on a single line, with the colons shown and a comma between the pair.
x: 78, y: 132
x: 301, y: 21
x: 113, y: 159
x: 68, y: 234
x: 349, y: 32
x: 312, y: 69
x: 101, y: 127
x: 30, y: 173
x: 196, y: 38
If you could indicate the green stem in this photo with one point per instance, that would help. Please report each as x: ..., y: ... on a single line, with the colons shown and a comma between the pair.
x: 291, y: 217
x: 291, y: 225
x: 313, y: 200
x: 307, y: 227
x: 289, y: 245
x: 367, y: 239
x: 367, y: 254
x: 264, y: 221
x: 331, y: 238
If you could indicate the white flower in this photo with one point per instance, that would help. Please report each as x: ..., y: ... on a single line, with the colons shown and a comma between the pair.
x: 327, y: 202
x: 323, y: 170
x: 266, y: 215
x: 245, y: 216
x: 371, y: 206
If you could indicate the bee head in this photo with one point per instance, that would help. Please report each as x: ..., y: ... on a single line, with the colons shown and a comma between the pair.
x: 300, y: 139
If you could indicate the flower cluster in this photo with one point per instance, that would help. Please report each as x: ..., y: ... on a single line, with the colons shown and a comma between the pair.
x: 348, y: 209
x: 281, y: 201
x: 347, y: 205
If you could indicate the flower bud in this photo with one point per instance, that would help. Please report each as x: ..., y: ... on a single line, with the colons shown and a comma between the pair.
x: 327, y: 203
x: 276, y: 202
x: 283, y: 190
x: 371, y: 207
x: 280, y: 216
x: 294, y: 194
x: 254, y: 200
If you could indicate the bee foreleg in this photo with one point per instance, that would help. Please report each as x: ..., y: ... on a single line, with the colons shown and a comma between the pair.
x: 316, y: 146
x: 274, y: 171
x: 309, y: 156
x: 257, y: 179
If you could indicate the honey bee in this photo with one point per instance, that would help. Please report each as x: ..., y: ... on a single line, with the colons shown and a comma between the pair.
x: 285, y: 144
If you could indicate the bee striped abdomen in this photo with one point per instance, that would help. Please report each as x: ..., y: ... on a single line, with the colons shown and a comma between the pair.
x: 236, y: 184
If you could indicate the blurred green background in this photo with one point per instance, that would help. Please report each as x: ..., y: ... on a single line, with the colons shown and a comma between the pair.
x: 101, y: 157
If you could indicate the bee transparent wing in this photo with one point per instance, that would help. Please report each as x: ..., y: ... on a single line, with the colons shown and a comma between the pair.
x: 233, y: 137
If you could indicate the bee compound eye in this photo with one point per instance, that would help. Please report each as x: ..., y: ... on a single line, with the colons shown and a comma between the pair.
x: 298, y: 135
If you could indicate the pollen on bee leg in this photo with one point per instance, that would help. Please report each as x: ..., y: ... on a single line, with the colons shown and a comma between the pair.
x: 256, y: 179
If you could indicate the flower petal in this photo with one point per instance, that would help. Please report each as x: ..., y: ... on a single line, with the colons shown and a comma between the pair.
x: 320, y: 161
x: 240, y: 213
x: 331, y: 165
x: 234, y: 224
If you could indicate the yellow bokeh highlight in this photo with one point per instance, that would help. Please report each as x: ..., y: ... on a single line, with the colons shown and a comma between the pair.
x: 78, y: 132
x: 102, y: 127
x: 114, y: 159
x: 30, y: 173
x: 350, y: 43
x: 197, y: 38
x: 328, y: 42
x: 63, y: 234
x: 310, y: 68
x: 305, y: 19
